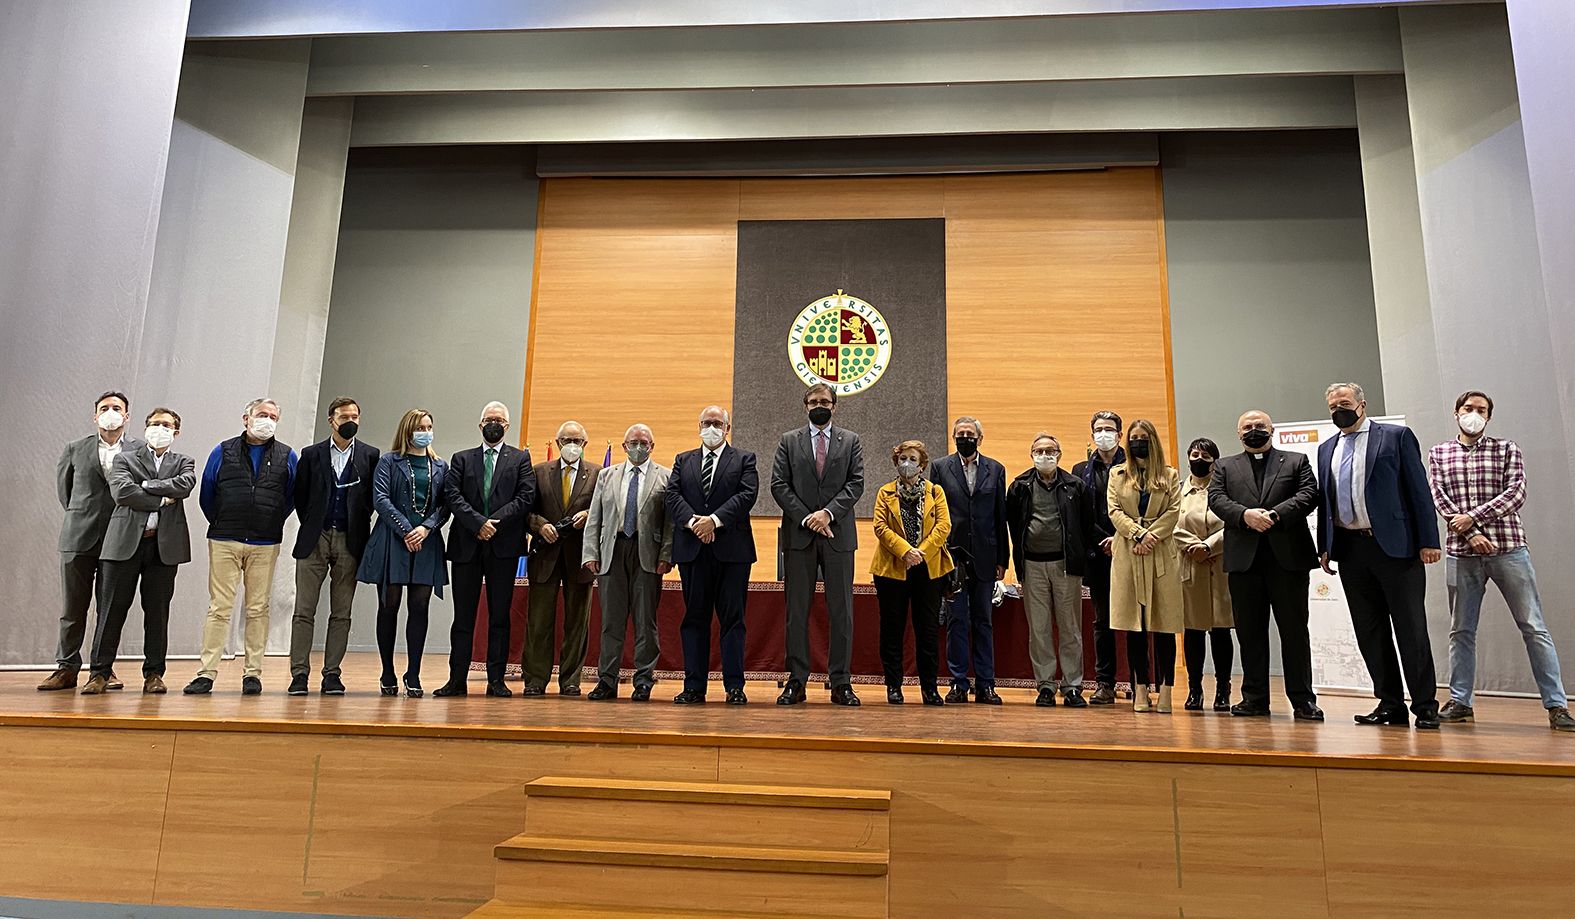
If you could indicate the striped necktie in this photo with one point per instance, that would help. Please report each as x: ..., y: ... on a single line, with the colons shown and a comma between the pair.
x: 707, y: 470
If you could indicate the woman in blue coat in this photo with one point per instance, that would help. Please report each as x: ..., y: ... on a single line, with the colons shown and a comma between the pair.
x: 404, y: 556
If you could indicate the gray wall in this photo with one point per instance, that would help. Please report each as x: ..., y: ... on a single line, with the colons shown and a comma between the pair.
x: 431, y: 303
x: 1271, y: 295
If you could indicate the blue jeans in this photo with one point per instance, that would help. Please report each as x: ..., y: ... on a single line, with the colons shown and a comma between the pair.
x: 970, y: 633
x: 1468, y: 578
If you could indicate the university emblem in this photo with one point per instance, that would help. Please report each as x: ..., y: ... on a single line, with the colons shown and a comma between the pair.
x: 842, y: 341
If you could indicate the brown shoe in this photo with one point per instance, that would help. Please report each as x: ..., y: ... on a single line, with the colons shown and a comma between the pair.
x: 1559, y: 719
x: 154, y: 686
x: 95, y: 685
x: 64, y: 678
x: 114, y: 682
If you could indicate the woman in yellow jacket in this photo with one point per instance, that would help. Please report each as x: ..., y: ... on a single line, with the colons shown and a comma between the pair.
x: 910, y: 568
x: 1145, y: 571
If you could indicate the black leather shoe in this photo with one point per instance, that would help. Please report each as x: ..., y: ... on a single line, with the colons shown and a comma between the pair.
x: 568, y: 690
x: 986, y: 695
x: 450, y: 689
x: 1386, y: 715
x: 1104, y: 694
x: 689, y: 697
x: 1247, y: 709
x: 387, y: 686
x: 529, y: 690
x: 602, y: 693
x: 201, y: 686
x: 1194, y: 701
x: 958, y: 693
x: 933, y: 697
x: 737, y: 697
x: 1046, y: 697
x: 893, y: 695
x: 1308, y: 711
x: 1074, y: 699
x: 413, y: 688
x: 298, y: 686
x: 251, y: 686
x: 792, y: 694
x: 498, y: 689
x: 844, y: 695
x: 1427, y: 722
x: 641, y: 693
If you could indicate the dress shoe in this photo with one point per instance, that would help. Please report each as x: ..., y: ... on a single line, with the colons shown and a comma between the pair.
x: 1247, y: 709
x: 1455, y: 713
x: 1163, y: 703
x: 893, y: 695
x: 569, y: 690
x: 1104, y: 694
x: 602, y: 693
x: 792, y: 694
x: 114, y: 682
x: 1307, y: 711
x: 932, y: 696
x: 297, y: 685
x: 986, y: 695
x: 689, y: 697
x: 388, y: 686
x: 251, y: 686
x: 95, y: 685
x: 1559, y: 719
x: 332, y: 685
x: 498, y: 689
x: 641, y: 693
x: 737, y: 697
x: 413, y: 687
x: 1427, y: 721
x: 450, y: 689
x: 154, y: 685
x: 201, y: 686
x: 1385, y: 715
x: 958, y: 693
x: 1046, y: 698
x: 844, y: 695
x: 1140, y: 701
x: 1074, y: 699
x: 529, y: 690
x: 64, y: 678
x: 1222, y: 696
x: 1194, y: 701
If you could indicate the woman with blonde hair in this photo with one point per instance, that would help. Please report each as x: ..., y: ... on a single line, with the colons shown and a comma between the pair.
x: 404, y: 556
x: 910, y: 566
x: 1145, y: 573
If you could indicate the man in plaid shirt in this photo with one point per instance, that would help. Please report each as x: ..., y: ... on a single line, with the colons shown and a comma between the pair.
x: 1479, y: 484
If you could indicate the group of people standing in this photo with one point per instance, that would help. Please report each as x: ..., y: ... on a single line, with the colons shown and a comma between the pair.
x: 1220, y: 546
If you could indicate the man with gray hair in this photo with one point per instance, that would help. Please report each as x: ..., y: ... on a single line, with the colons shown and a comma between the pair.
x: 557, y: 525
x: 975, y: 487
x: 248, y: 490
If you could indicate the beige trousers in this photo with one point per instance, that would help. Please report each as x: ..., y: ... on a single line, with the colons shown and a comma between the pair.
x: 230, y: 564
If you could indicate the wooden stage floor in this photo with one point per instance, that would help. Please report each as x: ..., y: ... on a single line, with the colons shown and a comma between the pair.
x: 1510, y: 736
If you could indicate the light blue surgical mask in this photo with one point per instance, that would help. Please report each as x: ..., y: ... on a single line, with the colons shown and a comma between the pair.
x: 421, y: 438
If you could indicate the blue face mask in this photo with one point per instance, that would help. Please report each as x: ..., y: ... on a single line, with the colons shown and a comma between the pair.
x: 421, y: 438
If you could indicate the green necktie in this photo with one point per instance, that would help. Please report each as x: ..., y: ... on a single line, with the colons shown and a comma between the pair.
x: 486, y: 481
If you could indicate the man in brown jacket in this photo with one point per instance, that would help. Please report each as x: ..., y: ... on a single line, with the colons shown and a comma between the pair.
x: 557, y: 525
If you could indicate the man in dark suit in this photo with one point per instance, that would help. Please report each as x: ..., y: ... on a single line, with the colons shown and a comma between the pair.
x: 557, y: 523
x: 490, y: 489
x: 82, y: 484
x: 1376, y: 518
x: 709, y: 496
x: 1264, y: 496
x: 146, y: 539
x: 975, y: 487
x: 1105, y: 428
x: 333, y: 501
x: 817, y: 478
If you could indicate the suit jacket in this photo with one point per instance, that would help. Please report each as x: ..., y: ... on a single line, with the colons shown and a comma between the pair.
x: 1399, y: 503
x: 513, y: 494
x: 551, y: 506
x: 314, y: 491
x: 1288, y: 489
x: 735, y: 486
x: 83, y: 489
x: 175, y: 478
x: 801, y: 492
x: 979, y: 519
x: 608, y: 505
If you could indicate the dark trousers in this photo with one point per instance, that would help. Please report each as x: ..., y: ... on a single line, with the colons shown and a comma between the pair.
x: 916, y: 597
x: 78, y: 571
x: 542, y: 628
x: 1195, y: 646
x: 1388, y: 608
x: 629, y: 593
x: 389, y: 597
x: 719, y: 587
x: 970, y: 633
x: 497, y: 576
x: 118, y: 582
x: 1253, y: 594
x: 1096, y: 577
x: 1164, y: 672
x: 835, y: 569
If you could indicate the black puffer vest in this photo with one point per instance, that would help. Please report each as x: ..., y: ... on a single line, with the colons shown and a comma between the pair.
x: 250, y: 509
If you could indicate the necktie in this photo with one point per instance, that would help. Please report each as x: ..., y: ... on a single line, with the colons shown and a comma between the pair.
x: 1346, y: 492
x: 631, y: 502
x: 820, y: 452
x: 486, y: 480
x: 707, y: 470
x: 568, y: 485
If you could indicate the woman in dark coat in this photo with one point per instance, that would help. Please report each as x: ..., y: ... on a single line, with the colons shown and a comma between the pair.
x: 404, y: 556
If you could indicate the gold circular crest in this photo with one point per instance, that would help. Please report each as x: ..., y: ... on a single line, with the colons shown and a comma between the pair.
x: 841, y: 341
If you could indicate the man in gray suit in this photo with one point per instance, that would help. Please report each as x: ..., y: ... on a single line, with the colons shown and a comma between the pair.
x: 629, y: 546
x: 817, y: 478
x: 147, y: 538
x: 82, y: 483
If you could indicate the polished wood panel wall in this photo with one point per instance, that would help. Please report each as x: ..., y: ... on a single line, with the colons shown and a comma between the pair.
x: 1056, y: 303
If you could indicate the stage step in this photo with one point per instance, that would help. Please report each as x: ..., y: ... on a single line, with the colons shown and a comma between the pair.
x: 710, y: 793
x: 527, y: 847
x: 497, y: 909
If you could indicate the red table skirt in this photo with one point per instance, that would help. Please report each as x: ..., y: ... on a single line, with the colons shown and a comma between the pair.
x: 765, y: 636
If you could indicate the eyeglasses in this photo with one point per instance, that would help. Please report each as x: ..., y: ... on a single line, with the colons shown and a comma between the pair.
x: 820, y: 403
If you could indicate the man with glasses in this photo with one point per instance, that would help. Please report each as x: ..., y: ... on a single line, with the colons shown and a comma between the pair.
x: 557, y: 525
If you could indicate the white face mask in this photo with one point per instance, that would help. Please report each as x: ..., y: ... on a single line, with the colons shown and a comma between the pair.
x: 262, y: 428
x: 111, y: 420
x: 158, y: 436
x: 712, y: 437
x: 1045, y: 462
x: 1472, y: 423
x: 572, y: 453
x: 1105, y: 440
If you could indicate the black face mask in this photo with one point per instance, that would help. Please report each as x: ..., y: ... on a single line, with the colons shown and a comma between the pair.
x: 1344, y: 417
x: 348, y: 430
x: 1255, y: 439
x: 1138, y: 449
x: 819, y: 416
x: 1201, y: 467
x: 967, y: 446
x: 492, y: 431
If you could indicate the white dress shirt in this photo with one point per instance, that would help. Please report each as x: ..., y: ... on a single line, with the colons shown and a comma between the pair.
x: 107, y: 454
x: 339, y: 457
x: 1358, y: 474
x: 574, y: 476
x: 153, y: 517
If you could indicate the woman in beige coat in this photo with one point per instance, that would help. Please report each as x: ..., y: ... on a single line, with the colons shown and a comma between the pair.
x: 1205, y: 589
x: 1145, y: 570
